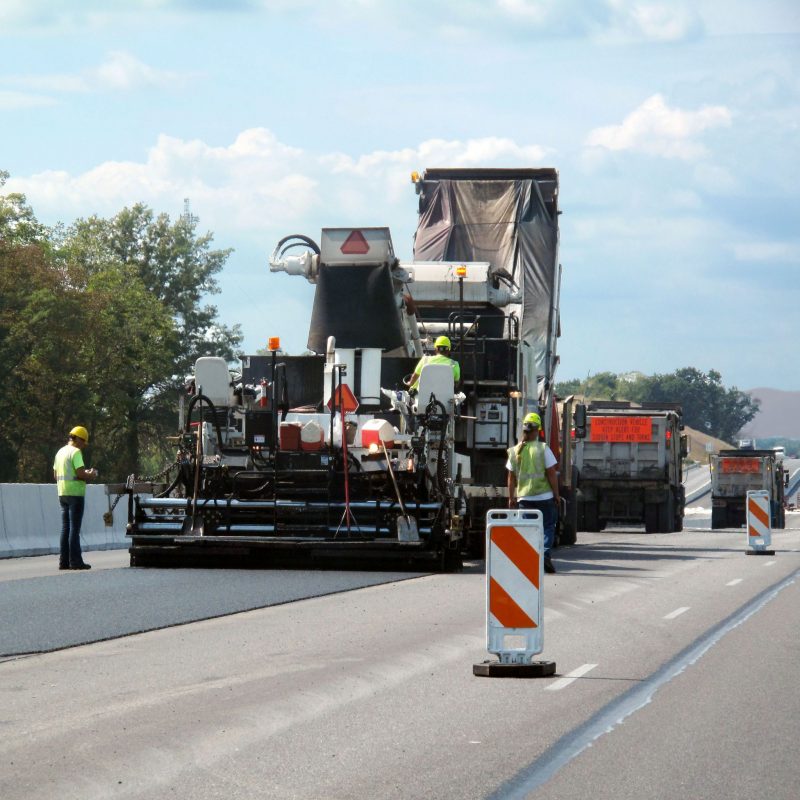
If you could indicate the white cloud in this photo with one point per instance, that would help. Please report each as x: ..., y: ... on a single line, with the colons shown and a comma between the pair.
x: 15, y: 100
x: 123, y: 71
x: 609, y: 20
x: 473, y: 152
x: 120, y: 71
x: 257, y: 178
x: 656, y: 129
x: 659, y: 21
x: 534, y: 12
x: 782, y: 252
x: 715, y: 180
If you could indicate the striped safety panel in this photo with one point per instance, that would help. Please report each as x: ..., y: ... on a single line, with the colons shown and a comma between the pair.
x: 758, y: 523
x: 513, y: 580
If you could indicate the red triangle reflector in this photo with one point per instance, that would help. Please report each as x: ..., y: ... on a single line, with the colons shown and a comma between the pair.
x: 345, y: 399
x: 355, y: 244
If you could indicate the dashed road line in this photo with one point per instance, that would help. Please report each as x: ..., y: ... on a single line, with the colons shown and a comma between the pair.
x: 734, y: 582
x: 610, y: 717
x: 562, y: 683
x: 770, y: 563
x: 677, y: 612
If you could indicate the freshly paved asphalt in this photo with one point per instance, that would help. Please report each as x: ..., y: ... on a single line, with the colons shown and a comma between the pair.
x: 41, y: 614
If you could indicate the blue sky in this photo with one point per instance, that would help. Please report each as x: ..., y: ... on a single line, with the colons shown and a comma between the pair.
x: 675, y: 127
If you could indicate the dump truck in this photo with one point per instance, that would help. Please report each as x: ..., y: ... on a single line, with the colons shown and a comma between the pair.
x: 736, y: 472
x: 629, y: 466
x: 333, y: 454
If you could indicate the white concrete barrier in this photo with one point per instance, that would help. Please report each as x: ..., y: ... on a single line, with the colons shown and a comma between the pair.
x: 30, y: 520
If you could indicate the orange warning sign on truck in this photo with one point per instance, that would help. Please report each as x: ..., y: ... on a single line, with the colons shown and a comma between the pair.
x: 621, y: 429
x: 740, y: 465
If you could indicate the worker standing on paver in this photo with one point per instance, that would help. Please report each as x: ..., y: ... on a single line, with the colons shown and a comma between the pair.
x: 71, y: 476
x: 533, y: 481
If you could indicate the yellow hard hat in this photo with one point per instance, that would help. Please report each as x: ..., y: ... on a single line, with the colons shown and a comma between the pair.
x: 79, y: 430
x: 442, y: 341
x: 532, y: 420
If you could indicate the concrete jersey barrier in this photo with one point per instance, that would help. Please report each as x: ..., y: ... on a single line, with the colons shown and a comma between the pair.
x: 30, y: 520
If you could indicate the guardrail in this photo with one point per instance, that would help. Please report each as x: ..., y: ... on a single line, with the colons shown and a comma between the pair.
x: 794, y: 483
x: 30, y: 520
x: 698, y: 493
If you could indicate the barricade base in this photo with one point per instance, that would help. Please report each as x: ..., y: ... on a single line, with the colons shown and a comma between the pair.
x: 759, y: 552
x: 534, y: 669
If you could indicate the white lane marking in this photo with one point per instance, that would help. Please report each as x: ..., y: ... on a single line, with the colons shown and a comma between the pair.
x: 770, y: 563
x: 572, y: 744
x: 562, y: 683
x: 677, y: 612
x: 734, y: 582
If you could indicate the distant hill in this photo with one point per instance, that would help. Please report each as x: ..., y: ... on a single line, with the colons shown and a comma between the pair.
x: 779, y: 415
x: 698, y: 442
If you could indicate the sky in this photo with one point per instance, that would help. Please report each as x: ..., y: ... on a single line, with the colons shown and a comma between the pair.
x: 675, y: 128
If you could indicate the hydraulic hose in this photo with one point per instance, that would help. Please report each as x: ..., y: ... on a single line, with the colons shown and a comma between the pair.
x: 440, y: 479
x: 202, y: 398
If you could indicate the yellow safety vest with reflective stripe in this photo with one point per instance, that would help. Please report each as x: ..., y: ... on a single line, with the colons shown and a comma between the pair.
x: 68, y: 461
x: 527, y: 464
x: 439, y: 359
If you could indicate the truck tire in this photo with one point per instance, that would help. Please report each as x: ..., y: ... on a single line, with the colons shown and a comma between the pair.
x: 651, y: 517
x: 719, y: 518
x: 451, y: 560
x: 666, y: 515
x: 591, y: 522
x: 778, y: 517
x: 475, y: 542
x: 568, y: 533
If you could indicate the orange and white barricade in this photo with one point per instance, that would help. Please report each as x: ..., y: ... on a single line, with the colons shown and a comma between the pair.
x: 514, y: 598
x: 759, y: 533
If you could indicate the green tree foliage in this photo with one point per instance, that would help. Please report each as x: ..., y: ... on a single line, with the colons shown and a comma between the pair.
x: 99, y: 322
x: 178, y: 268
x: 175, y: 264
x: 707, y: 405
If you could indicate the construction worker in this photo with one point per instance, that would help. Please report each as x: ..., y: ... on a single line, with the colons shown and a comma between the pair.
x: 71, y: 475
x: 533, y: 480
x: 442, y: 356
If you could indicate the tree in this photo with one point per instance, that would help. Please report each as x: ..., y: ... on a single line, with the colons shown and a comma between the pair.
x: 177, y: 268
x: 707, y: 405
x: 173, y: 263
x: 76, y: 349
x: 23, y: 255
x: 18, y: 224
x: 99, y: 322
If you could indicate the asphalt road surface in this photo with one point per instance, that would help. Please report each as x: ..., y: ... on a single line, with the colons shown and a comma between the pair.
x: 677, y: 666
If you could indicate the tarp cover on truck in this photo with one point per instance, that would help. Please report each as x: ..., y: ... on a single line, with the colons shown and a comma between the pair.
x: 521, y: 240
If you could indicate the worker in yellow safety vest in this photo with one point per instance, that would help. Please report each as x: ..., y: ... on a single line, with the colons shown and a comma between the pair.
x: 533, y: 480
x: 71, y: 476
x: 442, y: 356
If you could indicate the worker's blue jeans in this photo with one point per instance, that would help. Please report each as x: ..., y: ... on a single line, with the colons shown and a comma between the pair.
x: 71, y: 518
x: 549, y: 517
